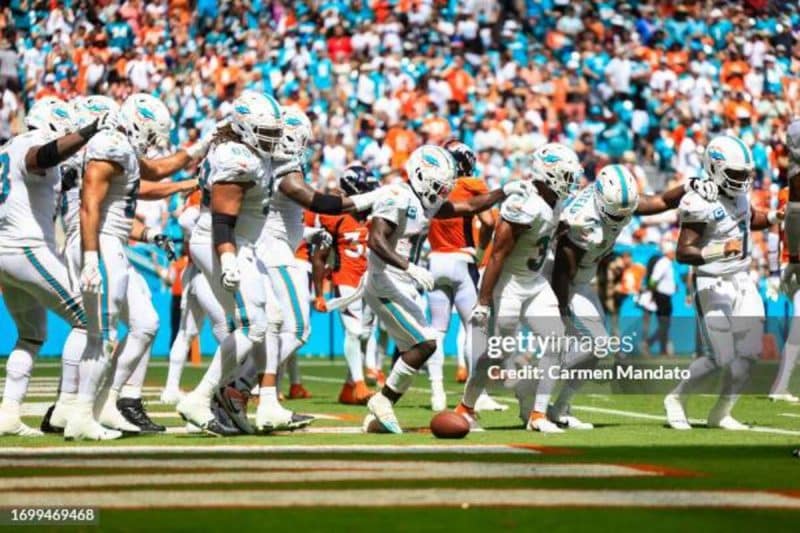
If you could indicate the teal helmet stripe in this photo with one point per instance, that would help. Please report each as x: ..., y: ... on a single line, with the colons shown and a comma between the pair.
x: 623, y: 183
x: 746, y: 152
x: 275, y: 107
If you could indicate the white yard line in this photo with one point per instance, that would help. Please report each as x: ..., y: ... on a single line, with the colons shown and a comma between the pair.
x: 397, y: 497
x: 245, y: 449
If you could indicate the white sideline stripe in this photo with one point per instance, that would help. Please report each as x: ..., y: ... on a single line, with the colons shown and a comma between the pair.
x: 645, y: 416
x: 790, y: 415
x: 246, y: 449
x: 307, y: 362
x: 338, y: 430
x: 397, y: 497
x: 331, y: 471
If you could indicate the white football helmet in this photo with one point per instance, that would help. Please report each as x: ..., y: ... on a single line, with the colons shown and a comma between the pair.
x: 146, y: 121
x: 558, y: 166
x: 51, y: 115
x: 256, y: 118
x: 90, y: 108
x: 431, y: 173
x: 295, y: 135
x: 616, y: 193
x: 729, y: 163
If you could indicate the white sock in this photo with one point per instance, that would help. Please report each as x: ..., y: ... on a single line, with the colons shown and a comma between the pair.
x: 699, y: 369
x: 93, y: 369
x: 436, y: 361
x: 546, y: 385
x: 18, y: 371
x: 370, y: 355
x: 461, y: 344
x: 273, y: 348
x: 352, y: 355
x: 133, y: 350
x: 211, y: 379
x: 178, y: 353
x: 401, y: 376
x: 233, y: 351
x: 477, y: 380
x: 74, y: 347
x: 268, y: 398
x: 133, y: 387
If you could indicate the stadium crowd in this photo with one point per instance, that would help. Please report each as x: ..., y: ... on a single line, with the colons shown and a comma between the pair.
x: 645, y: 83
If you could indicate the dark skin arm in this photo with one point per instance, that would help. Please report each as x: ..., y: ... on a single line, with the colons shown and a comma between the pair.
x: 380, y: 231
x: 505, y: 239
x: 471, y: 206
x: 567, y: 258
x: 758, y: 219
x: 318, y: 261
x: 689, y: 250
x: 295, y: 187
x: 156, y: 190
x: 96, y: 182
x: 156, y: 169
x: 652, y: 204
x: 226, y: 198
x: 486, y: 230
x: 68, y: 145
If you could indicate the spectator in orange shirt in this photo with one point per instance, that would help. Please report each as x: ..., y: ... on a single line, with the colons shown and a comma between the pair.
x: 402, y: 142
x: 460, y: 81
x: 734, y: 70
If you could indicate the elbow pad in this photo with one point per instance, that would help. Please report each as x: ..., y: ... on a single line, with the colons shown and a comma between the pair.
x: 47, y: 155
x: 326, y: 204
x: 222, y: 228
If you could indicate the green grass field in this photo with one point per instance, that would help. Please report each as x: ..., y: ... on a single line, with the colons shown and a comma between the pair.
x: 629, y: 473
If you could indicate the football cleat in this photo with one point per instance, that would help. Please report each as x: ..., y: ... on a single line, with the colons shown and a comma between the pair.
x: 786, y: 397
x: 727, y: 422
x: 47, y: 424
x: 676, y: 415
x: 355, y: 393
x: 381, y: 407
x: 61, y: 413
x: 111, y: 418
x: 234, y: 403
x: 539, y: 422
x: 487, y: 403
x: 82, y: 426
x: 298, y: 392
x: 11, y: 424
x: 195, y: 410
x: 133, y: 411
x: 218, y: 429
x: 567, y: 421
x: 438, y: 397
x: 375, y: 377
x: 461, y: 374
x: 470, y: 415
x: 171, y: 396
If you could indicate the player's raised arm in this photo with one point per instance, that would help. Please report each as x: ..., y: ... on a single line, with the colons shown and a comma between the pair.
x: 157, y: 190
x: 478, y: 204
x: 157, y: 169
x: 653, y: 204
x: 48, y: 114
x: 760, y: 220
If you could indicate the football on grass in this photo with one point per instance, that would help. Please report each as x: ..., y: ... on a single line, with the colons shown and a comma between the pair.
x: 449, y: 425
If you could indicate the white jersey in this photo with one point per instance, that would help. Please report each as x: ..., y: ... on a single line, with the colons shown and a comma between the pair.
x: 70, y: 201
x: 530, y: 250
x: 589, y: 231
x: 234, y: 162
x: 27, y: 199
x: 724, y: 219
x: 399, y: 205
x: 119, y: 206
x: 283, y: 229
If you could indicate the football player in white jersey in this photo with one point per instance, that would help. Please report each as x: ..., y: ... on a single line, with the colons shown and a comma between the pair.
x: 114, y: 165
x: 241, y: 176
x: 592, y: 221
x: 402, y: 212
x: 32, y: 276
x: 715, y: 238
x: 513, y: 290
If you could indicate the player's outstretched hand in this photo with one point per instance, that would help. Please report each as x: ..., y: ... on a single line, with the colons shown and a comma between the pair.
x: 480, y: 315
x: 320, y: 304
x: 706, y: 188
x: 422, y: 277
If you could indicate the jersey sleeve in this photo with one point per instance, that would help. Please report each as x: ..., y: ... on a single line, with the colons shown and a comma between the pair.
x: 391, y: 205
x: 284, y: 168
x: 693, y: 208
x: 232, y: 163
x: 475, y: 186
x: 583, y: 230
x: 520, y: 209
x: 110, y: 146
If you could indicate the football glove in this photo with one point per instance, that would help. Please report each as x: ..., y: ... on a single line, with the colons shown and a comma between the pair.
x: 91, y: 278
x: 422, y: 277
x: 230, y: 271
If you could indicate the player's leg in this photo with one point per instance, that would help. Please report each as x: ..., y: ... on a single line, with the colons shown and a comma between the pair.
x: 377, y: 344
x: 354, y: 391
x: 29, y: 317
x: 405, y: 322
x: 780, y: 388
x: 188, y: 327
x: 440, y: 301
x: 747, y: 324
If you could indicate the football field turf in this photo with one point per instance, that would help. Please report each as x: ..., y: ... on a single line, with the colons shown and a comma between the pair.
x: 630, y: 473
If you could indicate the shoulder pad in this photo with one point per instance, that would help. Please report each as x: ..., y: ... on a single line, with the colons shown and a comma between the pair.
x: 110, y: 145
x: 585, y: 229
x: 519, y: 209
x: 282, y: 168
x: 232, y: 162
x: 693, y: 208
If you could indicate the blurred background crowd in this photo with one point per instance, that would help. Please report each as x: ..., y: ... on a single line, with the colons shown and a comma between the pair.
x: 642, y: 82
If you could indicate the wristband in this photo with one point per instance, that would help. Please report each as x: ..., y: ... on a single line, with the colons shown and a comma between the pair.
x: 713, y: 252
x: 91, y: 259
x: 146, y: 237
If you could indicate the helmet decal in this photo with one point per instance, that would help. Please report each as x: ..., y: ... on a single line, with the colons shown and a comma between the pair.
x: 242, y: 109
x: 146, y: 113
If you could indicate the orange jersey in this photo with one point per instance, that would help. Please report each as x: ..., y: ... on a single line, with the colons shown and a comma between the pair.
x: 350, y: 242
x: 303, y: 252
x: 457, y: 234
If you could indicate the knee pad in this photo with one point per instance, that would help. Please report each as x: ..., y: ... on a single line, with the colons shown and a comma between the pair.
x: 145, y: 328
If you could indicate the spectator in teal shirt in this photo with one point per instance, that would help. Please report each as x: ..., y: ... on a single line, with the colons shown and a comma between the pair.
x: 120, y: 33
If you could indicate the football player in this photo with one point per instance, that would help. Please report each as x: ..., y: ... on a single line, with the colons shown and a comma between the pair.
x: 114, y: 163
x: 592, y: 222
x: 33, y: 277
x: 349, y: 235
x: 513, y: 290
x: 403, y: 211
x: 715, y: 238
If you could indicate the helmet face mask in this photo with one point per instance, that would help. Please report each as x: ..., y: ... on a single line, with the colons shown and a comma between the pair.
x: 295, y: 135
x: 256, y: 118
x: 146, y: 121
x: 558, y: 167
x: 729, y: 163
x: 431, y: 173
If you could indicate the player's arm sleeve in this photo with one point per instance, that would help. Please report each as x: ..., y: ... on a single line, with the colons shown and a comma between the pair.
x: 693, y: 209
x: 232, y: 164
x: 390, y: 207
x: 518, y: 209
x: 188, y: 218
x: 582, y: 230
